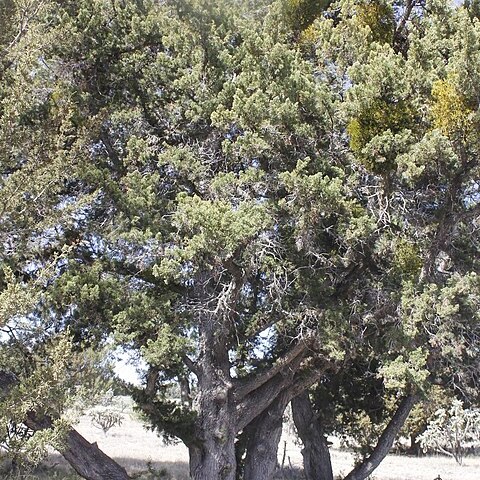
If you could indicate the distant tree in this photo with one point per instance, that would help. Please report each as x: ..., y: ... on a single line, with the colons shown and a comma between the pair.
x: 108, y: 412
x: 452, y: 431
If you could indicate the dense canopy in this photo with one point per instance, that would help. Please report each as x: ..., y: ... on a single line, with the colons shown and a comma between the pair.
x: 254, y: 198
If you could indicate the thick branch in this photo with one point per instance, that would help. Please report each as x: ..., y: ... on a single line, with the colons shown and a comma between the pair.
x: 190, y: 364
x: 263, y: 432
x: 317, y: 464
x: 294, y: 381
x: 385, y: 441
x: 85, y: 457
x: 243, y: 389
x: 403, y: 22
x: 257, y: 401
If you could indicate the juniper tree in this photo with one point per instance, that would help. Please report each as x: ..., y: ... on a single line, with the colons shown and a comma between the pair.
x: 409, y: 106
x: 247, y: 216
x: 153, y: 148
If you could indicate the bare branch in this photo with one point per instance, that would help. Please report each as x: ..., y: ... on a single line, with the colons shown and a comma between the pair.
x: 190, y: 364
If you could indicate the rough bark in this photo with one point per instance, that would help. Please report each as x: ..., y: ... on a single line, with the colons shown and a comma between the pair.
x: 84, y: 457
x: 224, y: 410
x: 265, y: 430
x: 316, y: 456
x: 385, y: 442
x: 212, y: 456
x: 263, y: 439
x: 259, y: 400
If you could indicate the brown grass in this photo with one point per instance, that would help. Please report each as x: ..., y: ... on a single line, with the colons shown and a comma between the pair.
x: 133, y: 446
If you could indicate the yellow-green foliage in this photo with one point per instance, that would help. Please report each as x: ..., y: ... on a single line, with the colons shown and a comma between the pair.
x: 379, y: 17
x: 407, y: 259
x: 300, y: 14
x: 406, y: 370
x: 379, y: 117
x: 437, y: 397
x: 308, y: 36
x: 449, y: 112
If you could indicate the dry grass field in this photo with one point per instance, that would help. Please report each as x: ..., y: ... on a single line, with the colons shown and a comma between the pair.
x: 134, y: 446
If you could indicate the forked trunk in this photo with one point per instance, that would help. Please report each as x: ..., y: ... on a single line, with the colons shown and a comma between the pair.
x: 316, y: 455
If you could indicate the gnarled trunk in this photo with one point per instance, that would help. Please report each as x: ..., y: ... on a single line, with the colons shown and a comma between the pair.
x: 316, y: 456
x: 212, y: 456
x: 264, y: 434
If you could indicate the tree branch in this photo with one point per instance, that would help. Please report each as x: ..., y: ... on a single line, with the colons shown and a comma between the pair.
x: 294, y: 382
x: 243, y: 388
x: 385, y: 441
x: 259, y: 399
x: 190, y: 364
x: 85, y: 457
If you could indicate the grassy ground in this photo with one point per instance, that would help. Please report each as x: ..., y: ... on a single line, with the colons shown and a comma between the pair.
x: 140, y: 450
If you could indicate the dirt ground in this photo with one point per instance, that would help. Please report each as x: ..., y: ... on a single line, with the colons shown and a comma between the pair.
x: 133, y: 446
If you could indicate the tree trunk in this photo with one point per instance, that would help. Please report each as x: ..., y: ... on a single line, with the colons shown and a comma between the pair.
x: 263, y: 439
x: 415, y: 448
x: 213, y: 454
x: 316, y: 456
x: 84, y: 457
x: 264, y: 429
x: 385, y: 442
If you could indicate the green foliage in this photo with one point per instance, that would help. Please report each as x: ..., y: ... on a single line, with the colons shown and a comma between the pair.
x: 473, y: 7
x: 167, y: 349
x: 183, y: 180
x: 402, y: 373
x: 7, y: 14
x: 407, y: 260
x: 378, y: 120
x: 55, y: 381
x: 378, y: 16
x: 300, y: 14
